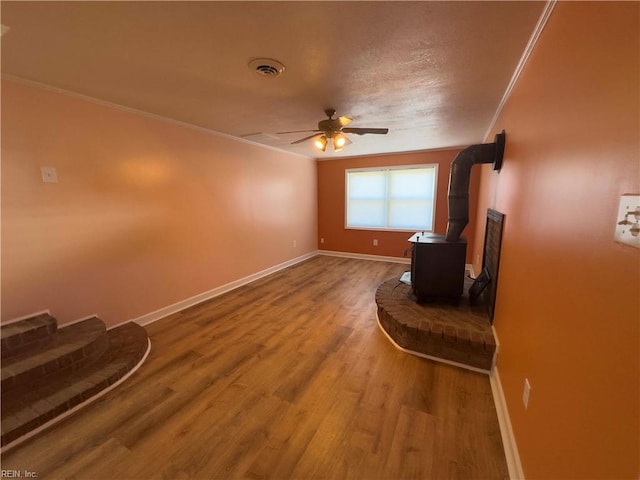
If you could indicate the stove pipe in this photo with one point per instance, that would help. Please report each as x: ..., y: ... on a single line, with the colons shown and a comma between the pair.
x: 459, y: 181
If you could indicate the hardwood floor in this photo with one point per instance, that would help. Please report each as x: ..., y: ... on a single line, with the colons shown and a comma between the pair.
x: 288, y: 377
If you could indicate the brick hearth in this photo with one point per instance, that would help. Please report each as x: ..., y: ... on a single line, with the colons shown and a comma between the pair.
x: 455, y: 333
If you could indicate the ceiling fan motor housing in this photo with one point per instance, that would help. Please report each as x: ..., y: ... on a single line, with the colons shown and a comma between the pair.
x: 330, y: 126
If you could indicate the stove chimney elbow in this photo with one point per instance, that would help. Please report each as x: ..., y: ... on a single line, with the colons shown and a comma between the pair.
x: 459, y: 181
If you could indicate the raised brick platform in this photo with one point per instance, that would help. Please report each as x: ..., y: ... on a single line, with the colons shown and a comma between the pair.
x: 30, y: 333
x: 48, y: 372
x: 458, y: 333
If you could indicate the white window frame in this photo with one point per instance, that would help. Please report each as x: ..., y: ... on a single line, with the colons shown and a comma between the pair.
x: 388, y: 168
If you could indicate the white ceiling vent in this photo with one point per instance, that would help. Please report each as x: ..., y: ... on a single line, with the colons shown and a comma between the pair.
x: 266, y: 67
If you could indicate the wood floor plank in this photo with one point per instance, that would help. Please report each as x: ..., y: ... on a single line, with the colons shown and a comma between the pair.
x: 98, y: 460
x: 288, y: 377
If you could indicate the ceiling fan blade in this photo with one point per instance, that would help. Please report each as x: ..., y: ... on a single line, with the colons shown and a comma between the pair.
x: 344, y: 121
x: 364, y: 131
x: 297, y: 131
x: 306, y: 138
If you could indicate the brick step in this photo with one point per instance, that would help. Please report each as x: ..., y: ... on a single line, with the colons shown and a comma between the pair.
x: 18, y: 337
x: 460, y: 334
x: 68, y: 350
x: 27, y: 409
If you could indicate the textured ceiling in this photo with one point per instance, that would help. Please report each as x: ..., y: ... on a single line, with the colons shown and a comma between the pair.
x: 432, y: 72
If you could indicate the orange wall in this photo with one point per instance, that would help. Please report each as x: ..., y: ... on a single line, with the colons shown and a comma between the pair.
x: 331, y: 204
x: 146, y: 212
x: 567, y: 313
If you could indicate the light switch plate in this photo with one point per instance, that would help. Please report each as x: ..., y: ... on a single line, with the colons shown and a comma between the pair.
x: 49, y: 174
x: 628, y: 221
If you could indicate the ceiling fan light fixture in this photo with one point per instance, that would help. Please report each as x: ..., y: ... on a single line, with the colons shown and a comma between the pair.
x: 320, y: 143
x: 333, y: 129
x: 339, y: 142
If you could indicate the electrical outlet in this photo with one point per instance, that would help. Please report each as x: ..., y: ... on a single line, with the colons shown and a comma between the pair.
x: 49, y: 174
x: 295, y: 244
x: 322, y: 240
x: 628, y: 221
x: 375, y: 242
x: 525, y: 393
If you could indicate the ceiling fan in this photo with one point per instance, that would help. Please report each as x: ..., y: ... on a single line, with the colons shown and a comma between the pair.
x: 334, y: 129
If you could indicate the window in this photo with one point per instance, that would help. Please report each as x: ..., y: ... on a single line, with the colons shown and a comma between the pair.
x: 391, y: 198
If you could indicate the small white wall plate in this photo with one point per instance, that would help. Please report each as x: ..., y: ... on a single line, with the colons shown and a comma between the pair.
x: 628, y: 221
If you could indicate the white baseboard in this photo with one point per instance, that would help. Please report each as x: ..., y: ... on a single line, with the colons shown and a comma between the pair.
x: 511, y: 451
x: 151, y: 317
x: 24, y: 317
x: 364, y: 256
x: 381, y: 258
x: 189, y: 302
x: 506, y: 431
x: 78, y: 320
x: 469, y: 267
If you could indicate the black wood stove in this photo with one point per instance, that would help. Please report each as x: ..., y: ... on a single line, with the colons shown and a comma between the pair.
x: 438, y: 261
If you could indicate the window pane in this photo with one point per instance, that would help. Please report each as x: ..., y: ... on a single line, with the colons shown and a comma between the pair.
x: 414, y: 183
x: 410, y: 215
x: 366, y: 213
x: 367, y: 185
x: 394, y: 198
